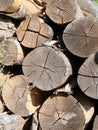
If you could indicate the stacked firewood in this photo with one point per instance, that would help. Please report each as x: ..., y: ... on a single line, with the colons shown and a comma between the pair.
x: 48, y: 65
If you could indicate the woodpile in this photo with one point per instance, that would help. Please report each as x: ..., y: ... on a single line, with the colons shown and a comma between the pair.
x: 48, y: 65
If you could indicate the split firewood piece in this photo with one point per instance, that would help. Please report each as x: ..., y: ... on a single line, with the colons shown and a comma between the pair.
x: 7, y: 27
x: 17, y: 96
x: 11, y: 52
x: 11, y: 122
x: 33, y: 32
x: 81, y: 36
x: 63, y: 112
x: 46, y: 68
x: 88, y: 76
x: 19, y: 8
x: 95, y: 125
x: 61, y: 11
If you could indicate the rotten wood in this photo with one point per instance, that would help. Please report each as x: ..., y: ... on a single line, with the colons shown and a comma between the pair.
x: 61, y: 12
x: 46, y: 68
x: 81, y: 36
x: 33, y: 32
x: 17, y: 97
x: 61, y: 112
x: 88, y: 76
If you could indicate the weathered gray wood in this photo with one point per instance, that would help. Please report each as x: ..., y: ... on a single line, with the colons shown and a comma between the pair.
x: 89, y: 7
x: 33, y: 32
x: 95, y: 125
x: 7, y: 27
x: 61, y: 112
x: 10, y: 52
x: 17, y: 97
x: 61, y: 11
x: 4, y: 4
x: 81, y: 36
x: 11, y: 122
x: 88, y: 76
x: 46, y: 68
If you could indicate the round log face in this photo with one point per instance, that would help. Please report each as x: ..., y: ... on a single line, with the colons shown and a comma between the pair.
x: 61, y: 11
x: 8, y: 53
x: 4, y: 4
x: 17, y: 96
x: 61, y: 113
x: 46, y: 68
x: 33, y: 32
x: 81, y: 36
x: 88, y: 76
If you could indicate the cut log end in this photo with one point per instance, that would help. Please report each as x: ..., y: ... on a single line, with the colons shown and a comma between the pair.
x: 50, y: 71
x: 17, y: 96
x: 61, y: 11
x: 88, y: 76
x: 33, y: 32
x: 61, y: 112
x: 82, y: 39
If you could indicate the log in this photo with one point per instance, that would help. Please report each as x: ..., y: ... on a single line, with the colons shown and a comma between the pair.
x: 4, y: 4
x: 61, y: 12
x: 26, y: 7
x: 11, y: 52
x: 17, y: 97
x: 89, y: 7
x: 7, y: 27
x: 81, y: 36
x: 46, y: 68
x: 86, y: 104
x: 11, y: 122
x: 33, y: 32
x: 61, y: 112
x: 95, y: 125
x: 88, y: 76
